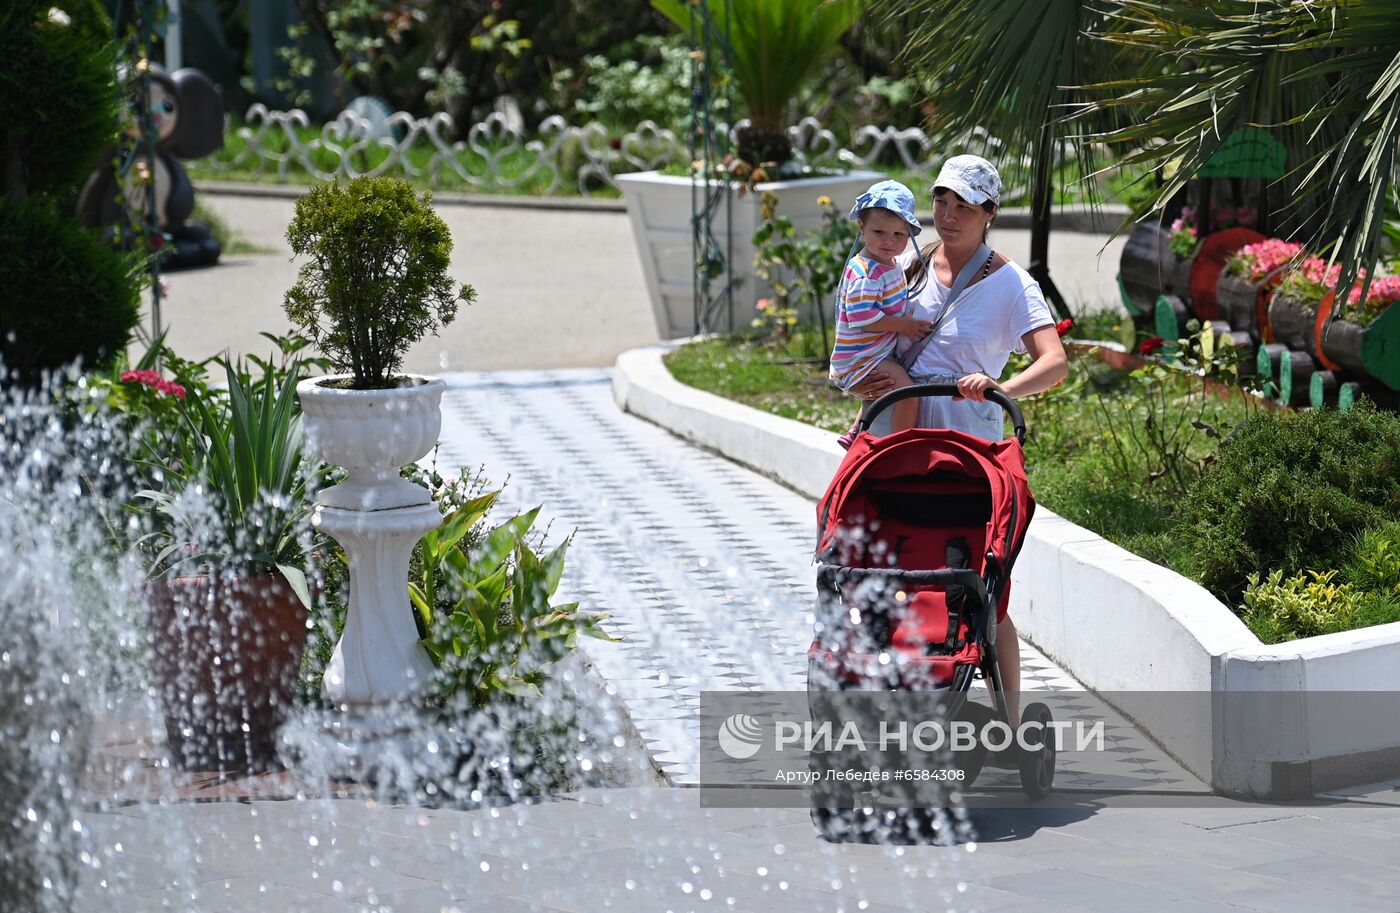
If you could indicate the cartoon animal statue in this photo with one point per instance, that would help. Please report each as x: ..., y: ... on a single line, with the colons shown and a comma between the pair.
x: 188, y: 113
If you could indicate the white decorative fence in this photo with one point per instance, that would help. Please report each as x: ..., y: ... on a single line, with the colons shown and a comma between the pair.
x: 499, y: 154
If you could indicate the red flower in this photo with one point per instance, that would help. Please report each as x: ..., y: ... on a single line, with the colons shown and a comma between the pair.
x: 155, y: 382
x: 1064, y: 326
x: 1150, y: 345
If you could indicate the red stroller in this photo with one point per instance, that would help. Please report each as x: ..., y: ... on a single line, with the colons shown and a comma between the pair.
x: 918, y: 534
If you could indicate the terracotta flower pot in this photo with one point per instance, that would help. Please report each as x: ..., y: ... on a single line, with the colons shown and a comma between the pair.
x: 225, y: 652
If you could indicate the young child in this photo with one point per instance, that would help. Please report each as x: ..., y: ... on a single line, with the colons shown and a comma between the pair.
x: 871, y: 308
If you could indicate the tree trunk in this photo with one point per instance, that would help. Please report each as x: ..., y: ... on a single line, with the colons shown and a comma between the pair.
x: 1042, y: 190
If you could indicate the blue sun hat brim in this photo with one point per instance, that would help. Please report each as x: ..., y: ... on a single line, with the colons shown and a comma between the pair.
x: 890, y: 195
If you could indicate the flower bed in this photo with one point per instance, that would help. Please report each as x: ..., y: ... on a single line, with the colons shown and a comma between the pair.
x: 1123, y: 452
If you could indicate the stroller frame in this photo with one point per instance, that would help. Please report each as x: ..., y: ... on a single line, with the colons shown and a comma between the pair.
x: 976, y: 613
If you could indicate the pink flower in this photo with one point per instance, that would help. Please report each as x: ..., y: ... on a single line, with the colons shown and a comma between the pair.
x: 155, y: 382
x: 763, y: 304
x: 1264, y: 257
x: 1188, y: 214
x: 1382, y: 291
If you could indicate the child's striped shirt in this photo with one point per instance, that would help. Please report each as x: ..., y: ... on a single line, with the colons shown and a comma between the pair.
x: 869, y: 291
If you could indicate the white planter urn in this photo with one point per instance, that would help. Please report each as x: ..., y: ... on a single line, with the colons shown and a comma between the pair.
x: 660, y: 207
x: 377, y: 517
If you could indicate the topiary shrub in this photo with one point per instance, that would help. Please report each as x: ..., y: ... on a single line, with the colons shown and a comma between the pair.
x: 1287, y: 493
x: 68, y: 295
x: 376, y: 279
x: 59, y: 104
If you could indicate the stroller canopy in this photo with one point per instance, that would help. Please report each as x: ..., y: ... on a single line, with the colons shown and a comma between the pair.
x: 938, y: 470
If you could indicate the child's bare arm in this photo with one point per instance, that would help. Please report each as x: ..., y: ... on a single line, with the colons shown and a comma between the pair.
x: 909, y: 326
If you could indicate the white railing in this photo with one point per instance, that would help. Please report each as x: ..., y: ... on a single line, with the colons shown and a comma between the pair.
x: 499, y: 154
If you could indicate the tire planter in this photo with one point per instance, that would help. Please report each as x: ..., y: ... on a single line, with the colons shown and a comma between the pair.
x: 225, y: 652
x: 1370, y: 352
x: 1237, y: 300
x: 1296, y: 369
x: 1292, y: 321
x: 1322, y: 389
x: 1268, y: 358
x: 1144, y: 270
x: 1207, y: 268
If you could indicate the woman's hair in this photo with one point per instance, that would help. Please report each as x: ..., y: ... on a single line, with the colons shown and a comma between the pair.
x: 914, y: 274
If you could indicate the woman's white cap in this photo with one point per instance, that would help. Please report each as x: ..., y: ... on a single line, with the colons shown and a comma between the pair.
x: 971, y: 177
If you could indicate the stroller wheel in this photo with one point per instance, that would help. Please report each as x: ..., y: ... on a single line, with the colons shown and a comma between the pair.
x: 1038, y: 766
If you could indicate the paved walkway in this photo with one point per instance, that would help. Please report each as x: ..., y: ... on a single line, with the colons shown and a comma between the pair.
x: 703, y: 569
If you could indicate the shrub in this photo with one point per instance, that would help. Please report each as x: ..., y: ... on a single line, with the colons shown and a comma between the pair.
x: 1285, y: 490
x: 59, y: 105
x: 376, y: 280
x: 68, y: 296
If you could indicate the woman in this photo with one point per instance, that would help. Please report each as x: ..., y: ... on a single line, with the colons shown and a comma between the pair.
x: 1000, y: 312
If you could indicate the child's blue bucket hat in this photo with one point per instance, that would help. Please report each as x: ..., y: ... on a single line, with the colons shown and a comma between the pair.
x: 890, y: 195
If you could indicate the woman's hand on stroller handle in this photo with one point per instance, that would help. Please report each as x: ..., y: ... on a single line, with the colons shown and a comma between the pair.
x: 975, y: 386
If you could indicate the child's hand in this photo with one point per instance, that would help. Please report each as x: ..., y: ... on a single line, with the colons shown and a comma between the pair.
x: 915, y: 328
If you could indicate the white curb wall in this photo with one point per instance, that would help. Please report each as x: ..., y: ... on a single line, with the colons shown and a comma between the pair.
x: 1281, y: 721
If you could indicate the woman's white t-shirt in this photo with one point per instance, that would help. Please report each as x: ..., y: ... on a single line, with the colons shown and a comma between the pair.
x: 977, y: 335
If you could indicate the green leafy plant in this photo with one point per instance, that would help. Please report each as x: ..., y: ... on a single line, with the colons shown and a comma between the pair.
x: 772, y: 47
x: 235, y: 491
x: 376, y: 279
x: 803, y: 270
x: 483, y: 597
x: 1375, y: 559
x: 1280, y: 608
x: 650, y: 84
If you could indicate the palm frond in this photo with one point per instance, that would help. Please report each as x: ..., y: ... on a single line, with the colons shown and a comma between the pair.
x: 1322, y: 77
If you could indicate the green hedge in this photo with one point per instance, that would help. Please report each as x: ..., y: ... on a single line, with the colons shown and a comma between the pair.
x: 1287, y: 493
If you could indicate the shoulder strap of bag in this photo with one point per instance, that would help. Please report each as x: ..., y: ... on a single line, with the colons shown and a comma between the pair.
x: 980, y: 259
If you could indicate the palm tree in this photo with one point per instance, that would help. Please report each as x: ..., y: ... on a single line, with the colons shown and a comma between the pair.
x: 1322, y: 75
x: 1013, y: 68
x: 772, y: 47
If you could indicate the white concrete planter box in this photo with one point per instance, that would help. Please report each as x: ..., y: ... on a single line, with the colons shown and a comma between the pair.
x: 659, y: 207
x: 1281, y: 721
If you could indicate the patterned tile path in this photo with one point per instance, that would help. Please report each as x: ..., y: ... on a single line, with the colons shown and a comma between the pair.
x: 703, y: 568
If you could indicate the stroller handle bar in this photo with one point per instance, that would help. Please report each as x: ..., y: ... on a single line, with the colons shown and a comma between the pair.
x: 1018, y: 421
